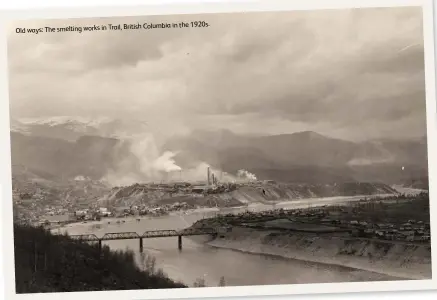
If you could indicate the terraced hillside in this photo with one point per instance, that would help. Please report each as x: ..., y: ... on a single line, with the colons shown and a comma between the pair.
x: 257, y: 192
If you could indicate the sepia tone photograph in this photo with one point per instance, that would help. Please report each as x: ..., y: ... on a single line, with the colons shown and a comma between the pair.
x: 224, y: 149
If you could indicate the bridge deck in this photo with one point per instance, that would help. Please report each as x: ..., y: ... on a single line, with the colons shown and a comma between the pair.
x: 147, y: 234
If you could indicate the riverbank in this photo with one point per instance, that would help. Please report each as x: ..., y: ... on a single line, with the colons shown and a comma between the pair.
x: 240, y: 268
x: 256, y: 206
x: 400, y: 260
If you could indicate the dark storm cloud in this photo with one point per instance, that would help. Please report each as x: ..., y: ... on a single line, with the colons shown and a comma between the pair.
x: 292, y: 70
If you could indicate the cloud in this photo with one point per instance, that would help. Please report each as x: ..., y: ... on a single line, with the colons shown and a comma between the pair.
x: 305, y: 69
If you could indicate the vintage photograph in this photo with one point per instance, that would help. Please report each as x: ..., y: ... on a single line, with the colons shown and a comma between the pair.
x: 219, y: 149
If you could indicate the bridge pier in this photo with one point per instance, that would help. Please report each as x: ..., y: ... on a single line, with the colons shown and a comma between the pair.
x: 179, y: 242
x: 141, y: 245
x: 100, y: 245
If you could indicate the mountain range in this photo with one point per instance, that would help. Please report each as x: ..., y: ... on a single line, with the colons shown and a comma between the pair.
x: 71, y: 128
x: 70, y: 147
x: 306, y: 156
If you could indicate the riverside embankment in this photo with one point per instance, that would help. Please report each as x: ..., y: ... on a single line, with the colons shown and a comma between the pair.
x: 391, y: 259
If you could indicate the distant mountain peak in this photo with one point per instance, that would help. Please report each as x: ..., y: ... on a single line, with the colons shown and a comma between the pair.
x: 64, y: 120
x: 222, y: 132
x: 309, y: 134
x: 72, y: 127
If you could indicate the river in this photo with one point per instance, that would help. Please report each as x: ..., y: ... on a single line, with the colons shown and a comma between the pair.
x: 198, y: 260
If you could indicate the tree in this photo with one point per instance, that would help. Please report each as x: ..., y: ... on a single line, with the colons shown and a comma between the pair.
x: 148, y: 263
x: 200, y: 282
x: 222, y: 281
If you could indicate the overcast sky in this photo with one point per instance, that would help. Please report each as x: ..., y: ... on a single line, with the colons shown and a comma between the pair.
x: 354, y: 74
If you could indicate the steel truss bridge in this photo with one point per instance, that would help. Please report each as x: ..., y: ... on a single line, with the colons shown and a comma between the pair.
x: 149, y: 234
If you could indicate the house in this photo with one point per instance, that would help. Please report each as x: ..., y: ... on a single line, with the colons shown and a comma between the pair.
x: 379, y: 233
x: 103, y: 211
x: 426, y: 238
x: 80, y: 213
x: 390, y: 236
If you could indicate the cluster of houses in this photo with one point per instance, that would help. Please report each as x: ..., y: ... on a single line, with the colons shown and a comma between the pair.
x: 42, y: 215
x: 156, y: 210
x: 92, y: 214
x: 412, y: 230
x: 135, y: 210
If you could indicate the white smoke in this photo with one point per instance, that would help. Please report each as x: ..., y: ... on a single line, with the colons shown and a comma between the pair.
x: 143, y: 162
x: 139, y: 160
x: 166, y: 162
x: 245, y: 175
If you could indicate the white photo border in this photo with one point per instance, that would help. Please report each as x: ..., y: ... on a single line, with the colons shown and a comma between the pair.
x: 203, y: 8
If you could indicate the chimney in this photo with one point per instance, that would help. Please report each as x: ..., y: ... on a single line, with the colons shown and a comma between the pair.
x: 208, y: 174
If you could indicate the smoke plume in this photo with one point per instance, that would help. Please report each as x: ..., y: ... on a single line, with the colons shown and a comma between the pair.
x: 246, y: 175
x: 166, y: 162
x: 140, y: 160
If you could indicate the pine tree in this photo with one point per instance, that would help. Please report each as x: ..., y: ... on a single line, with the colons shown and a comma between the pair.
x: 200, y: 282
x: 222, y: 281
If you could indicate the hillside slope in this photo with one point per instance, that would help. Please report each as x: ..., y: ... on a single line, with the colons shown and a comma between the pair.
x: 258, y: 192
x: 48, y: 263
x: 305, y: 157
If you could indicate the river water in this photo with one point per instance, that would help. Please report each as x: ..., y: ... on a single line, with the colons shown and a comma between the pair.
x: 198, y: 260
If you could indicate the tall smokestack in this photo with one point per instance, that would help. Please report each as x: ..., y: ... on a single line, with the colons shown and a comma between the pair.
x: 209, y: 176
x: 213, y: 178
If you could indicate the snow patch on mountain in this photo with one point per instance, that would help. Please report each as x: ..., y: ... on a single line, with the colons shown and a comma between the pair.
x: 71, y: 127
x: 66, y: 120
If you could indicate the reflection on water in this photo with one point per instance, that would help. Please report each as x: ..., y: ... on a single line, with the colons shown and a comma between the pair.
x: 197, y: 260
